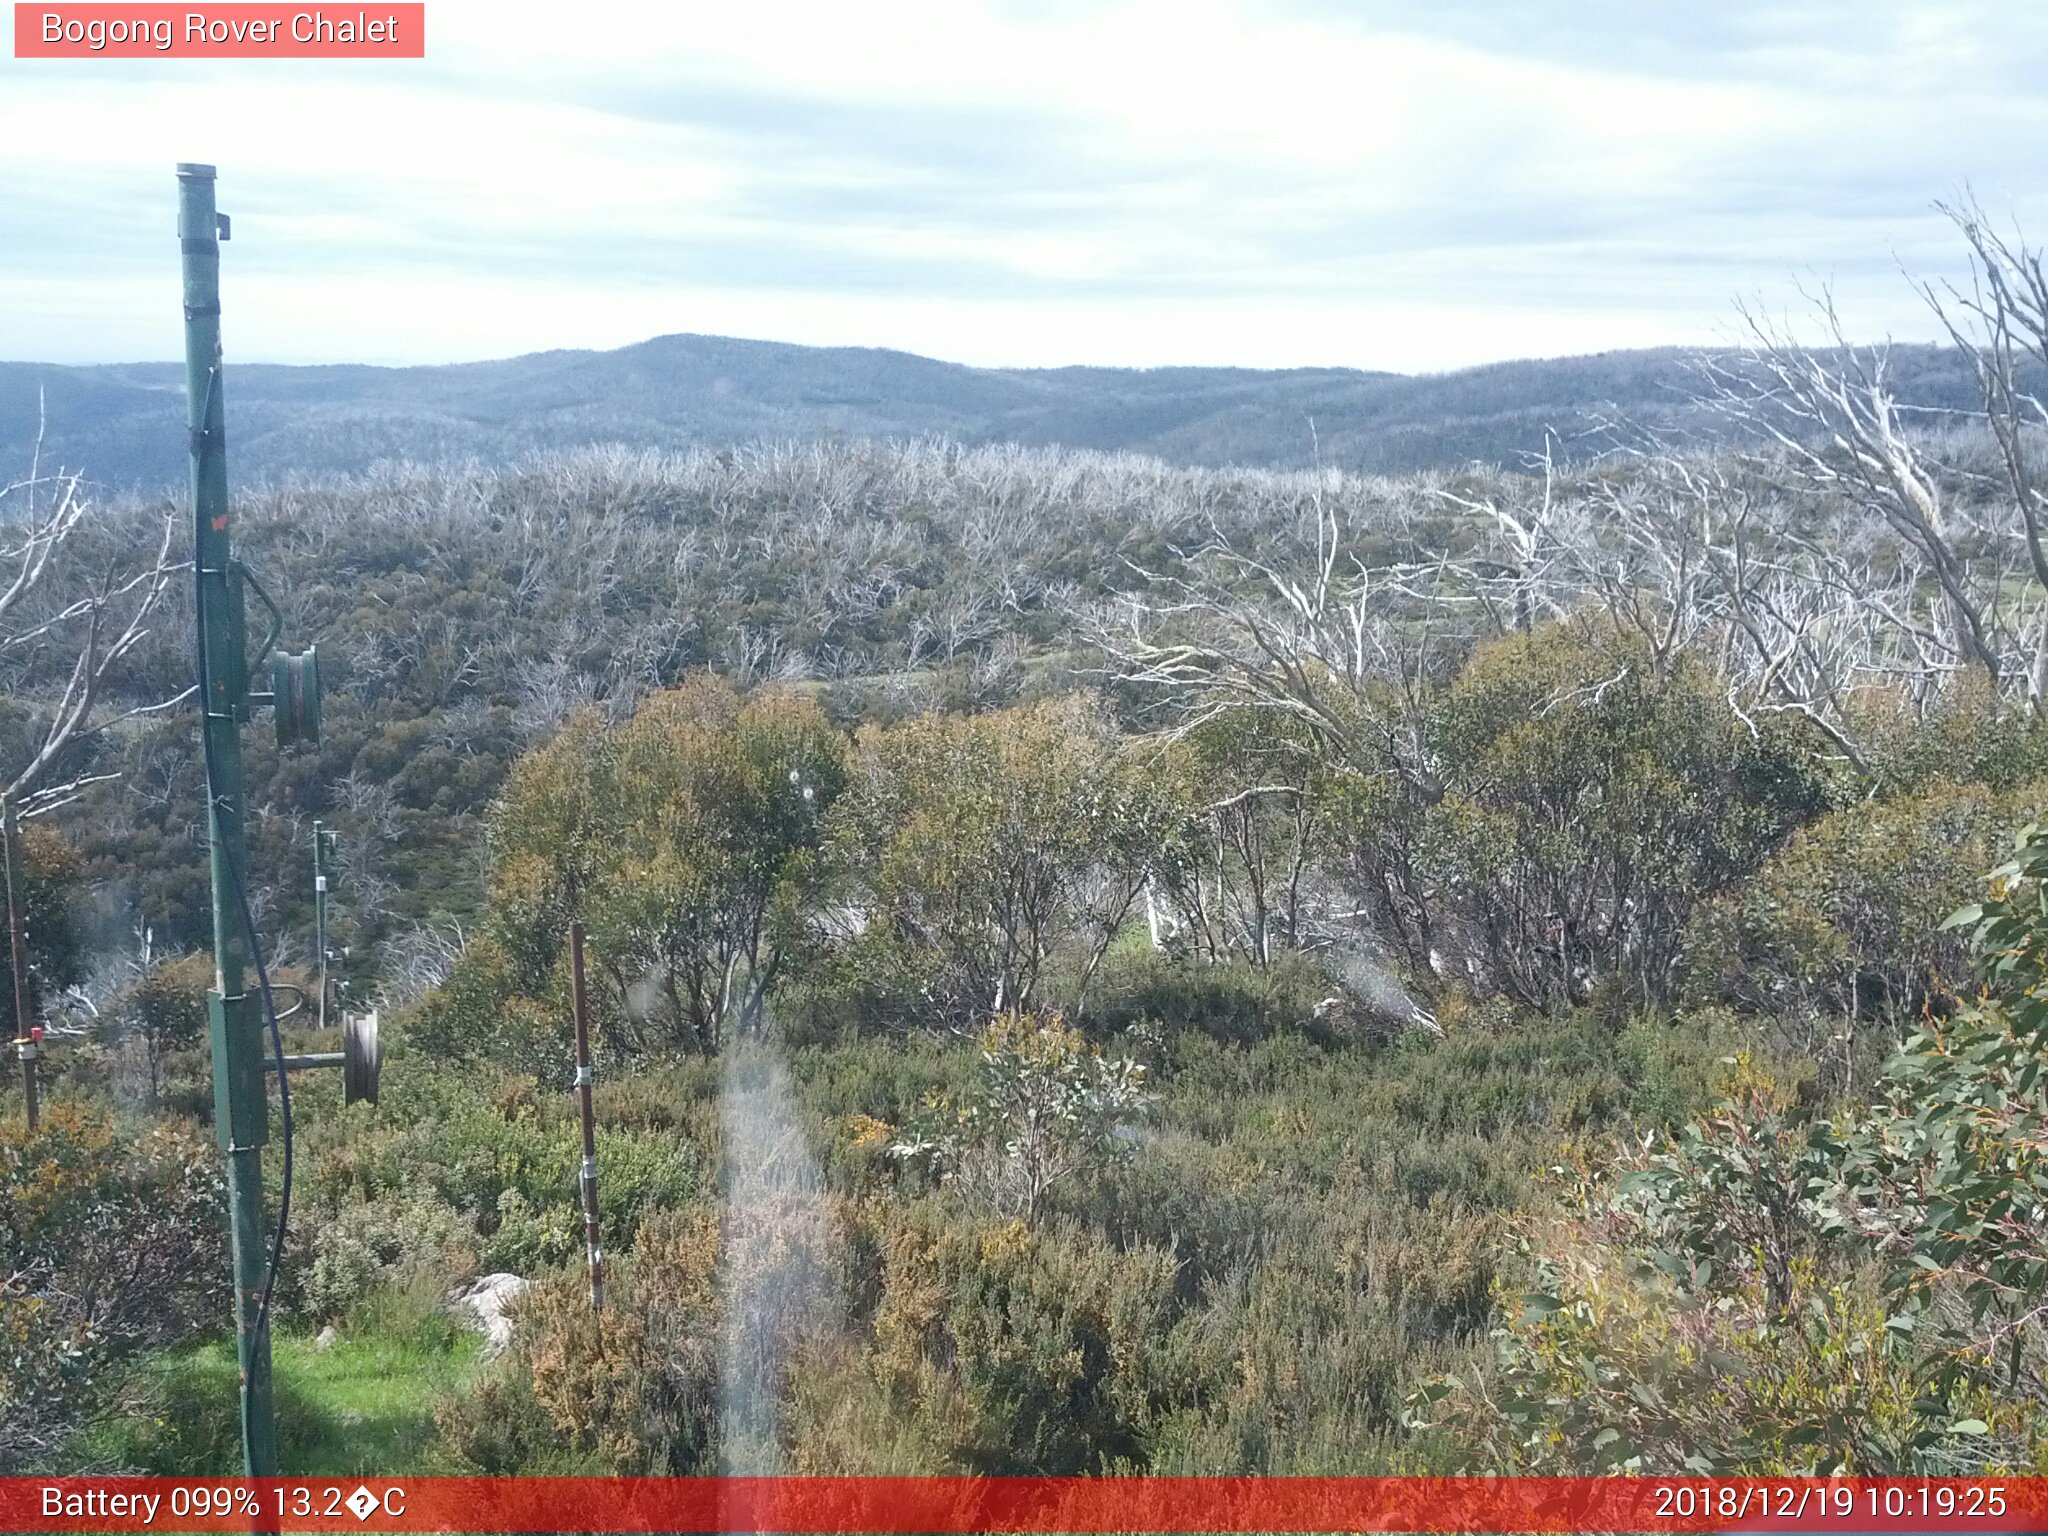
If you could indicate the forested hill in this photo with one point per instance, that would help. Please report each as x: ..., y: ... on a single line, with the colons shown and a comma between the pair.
x: 123, y: 425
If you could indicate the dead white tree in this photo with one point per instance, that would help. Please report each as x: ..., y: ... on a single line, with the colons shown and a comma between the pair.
x: 1683, y: 551
x: 67, y: 622
x: 416, y: 961
x: 1838, y: 431
x: 1343, y: 649
x: 1342, y: 652
x: 2000, y: 324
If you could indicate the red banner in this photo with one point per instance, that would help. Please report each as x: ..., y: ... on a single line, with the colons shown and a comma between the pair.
x: 1024, y: 1504
x: 234, y: 31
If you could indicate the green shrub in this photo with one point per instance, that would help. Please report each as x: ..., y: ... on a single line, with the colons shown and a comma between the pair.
x: 1044, y: 1108
x: 47, y: 883
x: 1963, y: 736
x: 165, y: 1009
x: 683, y: 838
x: 1838, y: 940
x: 1230, y: 999
x: 529, y: 1239
x: 1604, y: 1367
x: 1699, y: 1311
x: 370, y: 1245
x: 1244, y: 799
x: 447, y: 1138
x: 1591, y: 801
x: 633, y: 1388
x: 1948, y: 1176
x: 1677, y: 1065
x: 477, y: 1014
x: 110, y: 1240
x: 1020, y: 1351
x: 980, y: 847
x: 1765, y: 1292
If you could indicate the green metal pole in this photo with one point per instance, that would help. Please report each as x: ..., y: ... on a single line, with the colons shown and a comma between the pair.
x: 241, y: 1105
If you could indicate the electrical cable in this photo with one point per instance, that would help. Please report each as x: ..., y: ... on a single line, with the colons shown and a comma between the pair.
x: 235, y: 877
x: 284, y: 1095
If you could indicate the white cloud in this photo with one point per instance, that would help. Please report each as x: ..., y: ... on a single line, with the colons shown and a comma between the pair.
x: 1138, y: 182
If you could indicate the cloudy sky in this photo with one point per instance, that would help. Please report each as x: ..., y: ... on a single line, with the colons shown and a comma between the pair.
x: 1407, y: 184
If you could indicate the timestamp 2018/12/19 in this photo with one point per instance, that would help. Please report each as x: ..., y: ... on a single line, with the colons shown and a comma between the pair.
x: 1695, y: 1500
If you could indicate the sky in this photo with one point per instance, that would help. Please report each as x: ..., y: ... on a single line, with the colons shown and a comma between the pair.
x: 1414, y: 185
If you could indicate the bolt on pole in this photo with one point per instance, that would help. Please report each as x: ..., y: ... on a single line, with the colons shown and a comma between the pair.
x: 26, y: 1042
x: 241, y: 1104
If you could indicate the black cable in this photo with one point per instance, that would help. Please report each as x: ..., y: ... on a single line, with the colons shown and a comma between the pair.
x: 235, y: 876
x: 284, y: 1094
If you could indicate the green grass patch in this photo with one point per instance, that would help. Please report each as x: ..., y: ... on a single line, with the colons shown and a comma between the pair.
x: 363, y: 1406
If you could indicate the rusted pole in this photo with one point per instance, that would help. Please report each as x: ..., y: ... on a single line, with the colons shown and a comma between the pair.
x: 592, y: 1236
x: 27, y: 1038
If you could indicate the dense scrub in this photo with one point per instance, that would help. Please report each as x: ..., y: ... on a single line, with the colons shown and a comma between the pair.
x: 1298, y: 1232
x: 1074, y: 989
x: 1780, y: 1289
x: 464, y: 613
x: 112, y: 1240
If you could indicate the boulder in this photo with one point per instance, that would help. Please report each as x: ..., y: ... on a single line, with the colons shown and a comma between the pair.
x: 483, y: 1303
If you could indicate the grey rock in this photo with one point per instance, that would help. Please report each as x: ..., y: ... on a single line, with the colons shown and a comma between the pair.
x: 483, y: 1303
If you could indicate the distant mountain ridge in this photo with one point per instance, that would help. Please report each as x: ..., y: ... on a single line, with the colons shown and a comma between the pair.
x: 123, y: 424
